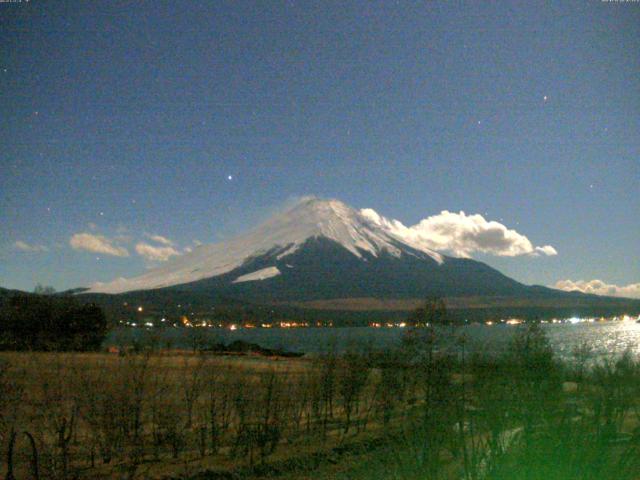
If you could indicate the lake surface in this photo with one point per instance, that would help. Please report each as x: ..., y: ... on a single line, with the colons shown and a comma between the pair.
x: 604, y: 338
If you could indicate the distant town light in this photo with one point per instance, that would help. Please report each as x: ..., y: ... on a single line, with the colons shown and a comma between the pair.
x: 140, y: 309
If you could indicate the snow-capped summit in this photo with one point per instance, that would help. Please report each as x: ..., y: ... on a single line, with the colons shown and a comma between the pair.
x: 332, y: 219
x: 359, y: 232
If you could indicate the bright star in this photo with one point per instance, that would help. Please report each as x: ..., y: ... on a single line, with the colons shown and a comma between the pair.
x: 230, y: 177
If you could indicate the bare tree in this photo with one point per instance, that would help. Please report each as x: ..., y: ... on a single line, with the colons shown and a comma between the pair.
x: 192, y: 382
x: 352, y: 375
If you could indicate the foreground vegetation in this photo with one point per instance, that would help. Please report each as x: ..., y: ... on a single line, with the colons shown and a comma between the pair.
x: 414, y: 413
x: 45, y: 321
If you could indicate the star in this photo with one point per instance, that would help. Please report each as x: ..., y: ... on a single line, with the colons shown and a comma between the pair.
x: 230, y: 177
x: 545, y: 98
x: 102, y: 214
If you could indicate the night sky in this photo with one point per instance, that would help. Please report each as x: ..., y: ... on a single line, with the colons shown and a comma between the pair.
x: 191, y: 122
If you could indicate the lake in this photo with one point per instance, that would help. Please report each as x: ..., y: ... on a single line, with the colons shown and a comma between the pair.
x: 604, y: 338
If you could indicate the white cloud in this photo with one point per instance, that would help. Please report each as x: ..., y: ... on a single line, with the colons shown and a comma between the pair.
x: 97, y: 244
x: 27, y: 247
x: 462, y: 235
x: 160, y: 239
x: 161, y: 252
x: 547, y: 250
x: 598, y: 287
x: 189, y: 248
x: 152, y: 252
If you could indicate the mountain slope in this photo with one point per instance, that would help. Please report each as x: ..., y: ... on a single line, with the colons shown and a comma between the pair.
x: 323, y: 269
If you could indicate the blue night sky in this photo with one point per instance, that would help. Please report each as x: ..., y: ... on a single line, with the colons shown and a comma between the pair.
x: 195, y: 120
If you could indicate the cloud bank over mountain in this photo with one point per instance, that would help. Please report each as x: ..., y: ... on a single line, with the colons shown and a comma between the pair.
x: 462, y: 235
x: 598, y: 287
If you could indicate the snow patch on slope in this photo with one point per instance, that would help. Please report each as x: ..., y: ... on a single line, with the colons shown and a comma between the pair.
x: 261, y: 274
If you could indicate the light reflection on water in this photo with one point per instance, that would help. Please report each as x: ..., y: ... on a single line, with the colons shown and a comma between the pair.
x: 603, y: 338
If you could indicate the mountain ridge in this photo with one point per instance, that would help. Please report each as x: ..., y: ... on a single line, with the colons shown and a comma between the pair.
x: 322, y: 254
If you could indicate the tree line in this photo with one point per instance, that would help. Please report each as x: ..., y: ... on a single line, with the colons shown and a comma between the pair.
x: 44, y: 321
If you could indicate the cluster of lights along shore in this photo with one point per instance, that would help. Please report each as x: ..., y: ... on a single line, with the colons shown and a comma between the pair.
x: 145, y: 320
x: 185, y: 321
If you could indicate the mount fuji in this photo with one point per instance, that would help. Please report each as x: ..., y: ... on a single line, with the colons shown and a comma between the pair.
x: 323, y: 254
x: 324, y: 247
